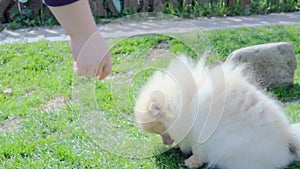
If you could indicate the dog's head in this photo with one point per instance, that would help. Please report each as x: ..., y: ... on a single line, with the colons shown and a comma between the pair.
x: 154, y: 108
x: 163, y: 98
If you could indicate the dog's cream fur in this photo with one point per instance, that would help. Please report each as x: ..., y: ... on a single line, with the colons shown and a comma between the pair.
x: 218, y: 116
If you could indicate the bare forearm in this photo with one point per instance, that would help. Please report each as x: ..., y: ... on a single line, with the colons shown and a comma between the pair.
x: 75, y: 18
x: 90, y: 51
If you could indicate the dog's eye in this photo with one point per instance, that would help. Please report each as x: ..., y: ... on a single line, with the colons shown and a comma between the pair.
x: 156, y: 107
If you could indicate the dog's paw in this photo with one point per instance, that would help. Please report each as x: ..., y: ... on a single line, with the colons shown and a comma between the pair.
x: 193, y: 162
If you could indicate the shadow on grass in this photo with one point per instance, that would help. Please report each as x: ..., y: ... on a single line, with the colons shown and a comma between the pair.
x: 295, y: 165
x: 286, y: 93
x: 173, y: 159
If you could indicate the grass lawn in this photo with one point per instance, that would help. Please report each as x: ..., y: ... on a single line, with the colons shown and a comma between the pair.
x: 42, y: 126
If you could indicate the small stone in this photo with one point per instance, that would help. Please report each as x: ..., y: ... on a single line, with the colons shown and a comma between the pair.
x: 129, y: 74
x: 7, y: 91
x: 273, y: 64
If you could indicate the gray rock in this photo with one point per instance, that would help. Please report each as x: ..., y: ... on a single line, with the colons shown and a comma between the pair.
x: 273, y: 64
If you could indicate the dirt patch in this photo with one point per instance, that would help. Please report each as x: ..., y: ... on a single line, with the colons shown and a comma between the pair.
x: 55, y: 103
x: 161, y: 51
x: 10, y: 125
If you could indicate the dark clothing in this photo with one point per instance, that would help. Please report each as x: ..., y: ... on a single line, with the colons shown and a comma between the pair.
x: 58, y: 2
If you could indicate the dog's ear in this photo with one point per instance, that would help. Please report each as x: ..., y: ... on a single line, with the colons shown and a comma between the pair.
x: 157, y: 103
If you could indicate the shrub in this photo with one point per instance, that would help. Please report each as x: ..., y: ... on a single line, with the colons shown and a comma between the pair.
x: 15, y: 14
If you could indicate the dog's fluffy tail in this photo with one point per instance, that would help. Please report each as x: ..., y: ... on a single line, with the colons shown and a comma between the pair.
x: 295, y: 145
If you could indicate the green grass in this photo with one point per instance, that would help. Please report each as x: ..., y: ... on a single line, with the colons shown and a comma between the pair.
x: 39, y: 73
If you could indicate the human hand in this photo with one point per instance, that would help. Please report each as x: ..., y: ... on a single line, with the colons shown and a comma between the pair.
x: 92, y: 56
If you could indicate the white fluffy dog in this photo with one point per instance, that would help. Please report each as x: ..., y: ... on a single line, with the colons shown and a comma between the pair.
x: 217, y: 115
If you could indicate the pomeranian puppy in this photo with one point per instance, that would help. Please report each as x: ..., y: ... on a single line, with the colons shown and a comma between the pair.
x: 217, y: 115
